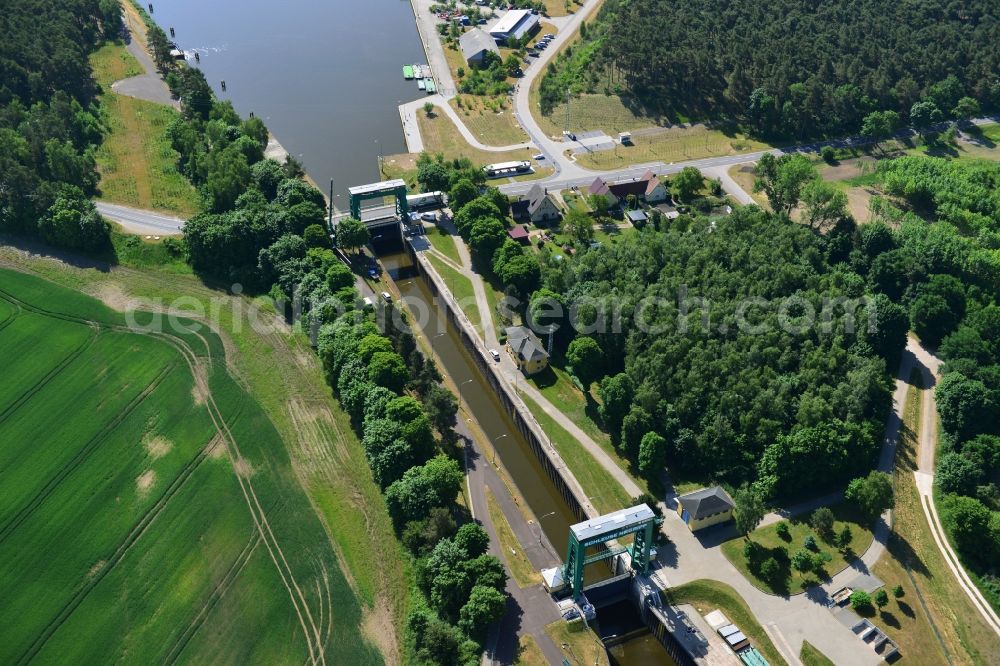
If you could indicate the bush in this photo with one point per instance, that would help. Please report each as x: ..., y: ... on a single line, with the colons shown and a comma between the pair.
x: 861, y: 602
x: 810, y: 543
x: 783, y: 531
x: 881, y: 598
x: 898, y: 592
x: 828, y: 154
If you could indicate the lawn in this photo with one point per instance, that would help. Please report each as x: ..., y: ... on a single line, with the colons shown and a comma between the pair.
x: 441, y: 136
x: 136, y: 161
x: 934, y: 619
x: 561, y: 390
x: 278, y: 365
x: 709, y: 595
x: 673, y: 144
x: 744, y: 176
x: 528, y: 653
x: 810, y: 656
x: 603, y: 490
x: 490, y: 119
x: 444, y: 243
x: 513, y: 553
x: 789, y: 580
x: 105, y: 504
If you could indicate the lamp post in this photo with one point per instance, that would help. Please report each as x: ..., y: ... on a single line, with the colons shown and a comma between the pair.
x: 550, y: 513
x: 460, y: 397
x: 495, y: 448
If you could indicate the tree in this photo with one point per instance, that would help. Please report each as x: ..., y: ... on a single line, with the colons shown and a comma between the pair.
x: 873, y: 493
x: 880, y: 124
x: 845, y: 537
x: 442, y: 407
x: 584, y: 355
x: 810, y: 543
x: 473, y: 539
x: 72, y: 221
x: 432, y: 174
x: 970, y: 526
x: 339, y: 276
x: 824, y: 203
x: 957, y: 473
x: 652, y: 454
x: 484, y: 607
x: 783, y: 531
x: 521, y: 272
x: 315, y: 236
x: 444, y: 478
x: 770, y: 570
x: 932, y: 318
x: 578, y: 225
x: 462, y: 193
x: 388, y: 369
x: 861, y: 602
x: 924, y: 114
x: 802, y: 561
x: 409, y: 498
x: 688, y: 183
x: 965, y: 405
x: 749, y: 509
x: 352, y: 234
x: 967, y: 107
x: 636, y: 424
x: 898, y: 592
x: 881, y: 598
x: 428, y: 109
x: 616, y: 397
x: 782, y: 179
x: 822, y: 521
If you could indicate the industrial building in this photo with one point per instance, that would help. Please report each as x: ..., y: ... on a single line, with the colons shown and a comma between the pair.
x: 515, y: 24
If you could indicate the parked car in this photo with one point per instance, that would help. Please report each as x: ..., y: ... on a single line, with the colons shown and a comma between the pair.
x: 386, y: 297
x: 495, y: 354
x: 368, y: 304
x: 428, y: 217
x: 549, y: 36
x: 373, y: 272
x: 539, y: 157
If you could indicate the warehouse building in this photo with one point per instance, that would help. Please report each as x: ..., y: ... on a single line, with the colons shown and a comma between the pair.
x: 515, y: 24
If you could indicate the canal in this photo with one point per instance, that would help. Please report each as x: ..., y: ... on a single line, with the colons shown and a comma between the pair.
x: 324, y: 75
x: 516, y: 455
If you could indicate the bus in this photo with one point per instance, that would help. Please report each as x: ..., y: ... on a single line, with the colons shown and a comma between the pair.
x: 425, y: 200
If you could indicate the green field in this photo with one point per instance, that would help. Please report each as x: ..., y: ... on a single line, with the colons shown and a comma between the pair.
x: 148, y: 511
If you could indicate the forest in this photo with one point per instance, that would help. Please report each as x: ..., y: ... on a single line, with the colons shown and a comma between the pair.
x: 794, y: 408
x: 791, y: 68
x: 948, y: 275
x: 48, y: 121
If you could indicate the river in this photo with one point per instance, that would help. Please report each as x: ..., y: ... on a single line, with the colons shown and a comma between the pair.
x: 324, y: 75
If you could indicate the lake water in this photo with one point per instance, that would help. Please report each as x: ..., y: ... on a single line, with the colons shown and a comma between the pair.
x: 324, y: 75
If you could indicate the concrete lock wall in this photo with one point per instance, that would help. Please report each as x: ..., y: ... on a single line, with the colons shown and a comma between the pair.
x: 567, y: 485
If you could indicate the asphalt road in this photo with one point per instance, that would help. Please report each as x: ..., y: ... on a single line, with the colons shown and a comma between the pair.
x: 145, y: 222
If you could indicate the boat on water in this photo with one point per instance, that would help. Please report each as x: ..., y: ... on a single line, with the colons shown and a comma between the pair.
x: 421, y: 84
x: 418, y: 72
x: 429, y: 85
x: 407, y: 72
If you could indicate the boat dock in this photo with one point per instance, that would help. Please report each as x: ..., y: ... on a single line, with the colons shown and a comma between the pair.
x: 429, y: 86
x: 407, y: 72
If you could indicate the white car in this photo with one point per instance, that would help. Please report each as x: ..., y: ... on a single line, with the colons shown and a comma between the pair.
x: 538, y: 157
x: 386, y: 297
x: 428, y: 217
x: 495, y: 354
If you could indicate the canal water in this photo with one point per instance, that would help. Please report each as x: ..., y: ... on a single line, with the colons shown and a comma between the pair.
x: 324, y: 75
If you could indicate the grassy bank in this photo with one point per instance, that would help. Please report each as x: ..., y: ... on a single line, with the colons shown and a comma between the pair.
x: 709, y: 595
x: 136, y: 161
x: 517, y: 561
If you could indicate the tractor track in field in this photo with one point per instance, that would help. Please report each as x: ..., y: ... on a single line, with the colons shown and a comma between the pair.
x: 316, y: 652
x: 48, y: 377
x: 82, y: 455
x: 239, y: 564
x: 314, y: 639
x: 133, y: 536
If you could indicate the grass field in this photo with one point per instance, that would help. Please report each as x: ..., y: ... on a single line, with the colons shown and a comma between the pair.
x: 792, y: 581
x: 491, y: 120
x: 674, y: 144
x: 934, y: 619
x: 810, y: 656
x: 157, y: 515
x: 444, y: 243
x: 709, y: 595
x: 580, y: 644
x: 136, y: 161
x: 461, y: 288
